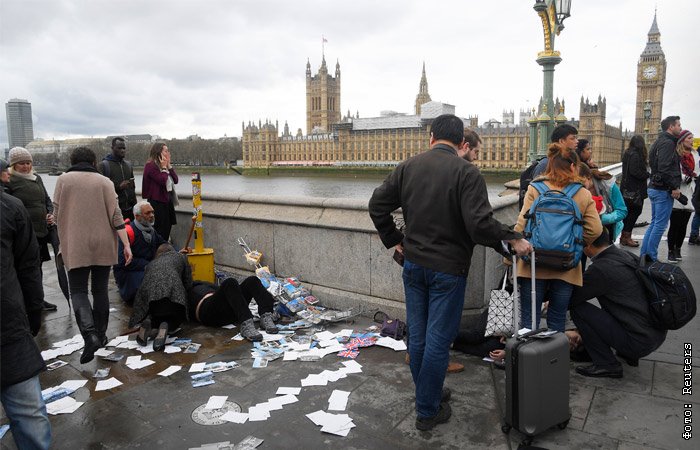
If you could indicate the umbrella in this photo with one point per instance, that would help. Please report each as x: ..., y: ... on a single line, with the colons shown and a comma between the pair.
x: 60, y: 267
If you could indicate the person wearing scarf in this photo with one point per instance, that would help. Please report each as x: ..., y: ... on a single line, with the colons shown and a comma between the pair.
x: 680, y: 215
x: 89, y: 220
x: 144, y: 240
x: 27, y: 186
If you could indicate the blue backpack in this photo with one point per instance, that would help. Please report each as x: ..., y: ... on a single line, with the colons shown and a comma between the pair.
x: 554, y: 227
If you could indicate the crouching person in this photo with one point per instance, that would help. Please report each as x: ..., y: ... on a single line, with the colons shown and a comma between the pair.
x: 144, y: 240
x: 622, y: 322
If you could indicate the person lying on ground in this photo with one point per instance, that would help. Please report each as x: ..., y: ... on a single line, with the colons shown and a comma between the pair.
x: 217, y: 306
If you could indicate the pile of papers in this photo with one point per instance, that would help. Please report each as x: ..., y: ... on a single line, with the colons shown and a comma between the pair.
x: 248, y: 443
x: 338, y: 424
x: 57, y: 398
x: 65, y: 347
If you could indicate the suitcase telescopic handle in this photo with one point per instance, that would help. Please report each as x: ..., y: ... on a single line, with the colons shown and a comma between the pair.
x: 516, y: 297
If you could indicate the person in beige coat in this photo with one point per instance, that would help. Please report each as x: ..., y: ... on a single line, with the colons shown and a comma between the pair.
x: 89, y: 220
x: 557, y: 285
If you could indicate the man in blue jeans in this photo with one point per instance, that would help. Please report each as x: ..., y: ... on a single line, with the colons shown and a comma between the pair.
x: 21, y: 300
x: 664, y: 184
x: 447, y: 212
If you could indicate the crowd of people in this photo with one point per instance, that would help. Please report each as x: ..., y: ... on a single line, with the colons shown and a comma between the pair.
x: 445, y: 220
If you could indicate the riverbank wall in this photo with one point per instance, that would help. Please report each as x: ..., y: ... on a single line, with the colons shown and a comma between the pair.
x: 330, y: 245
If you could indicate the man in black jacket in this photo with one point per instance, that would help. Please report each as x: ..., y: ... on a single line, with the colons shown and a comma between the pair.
x: 622, y: 322
x: 21, y: 299
x: 664, y: 184
x: 120, y: 171
x: 447, y: 212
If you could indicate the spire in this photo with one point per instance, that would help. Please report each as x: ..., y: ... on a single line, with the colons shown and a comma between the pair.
x: 654, y: 27
x: 423, y: 95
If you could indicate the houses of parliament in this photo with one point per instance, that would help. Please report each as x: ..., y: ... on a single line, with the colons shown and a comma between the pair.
x: 334, y: 139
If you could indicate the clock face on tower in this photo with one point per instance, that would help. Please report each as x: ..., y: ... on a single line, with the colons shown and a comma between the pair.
x: 650, y: 72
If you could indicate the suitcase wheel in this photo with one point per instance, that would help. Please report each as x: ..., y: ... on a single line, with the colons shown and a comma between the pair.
x: 563, y: 425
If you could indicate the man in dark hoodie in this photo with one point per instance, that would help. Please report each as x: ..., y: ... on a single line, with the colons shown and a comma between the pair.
x: 664, y: 184
x: 120, y: 171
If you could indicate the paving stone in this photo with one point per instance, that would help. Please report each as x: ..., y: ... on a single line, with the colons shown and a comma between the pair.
x: 668, y: 382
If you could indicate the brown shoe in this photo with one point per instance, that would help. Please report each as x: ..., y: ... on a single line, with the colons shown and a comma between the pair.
x: 627, y: 241
x: 455, y: 367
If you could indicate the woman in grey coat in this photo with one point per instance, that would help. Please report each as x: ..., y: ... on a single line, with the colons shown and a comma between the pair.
x: 162, y: 297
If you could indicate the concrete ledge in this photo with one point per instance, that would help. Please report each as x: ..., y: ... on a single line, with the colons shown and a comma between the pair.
x: 328, y: 243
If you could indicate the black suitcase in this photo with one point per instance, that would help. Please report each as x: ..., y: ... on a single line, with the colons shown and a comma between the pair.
x: 537, y: 376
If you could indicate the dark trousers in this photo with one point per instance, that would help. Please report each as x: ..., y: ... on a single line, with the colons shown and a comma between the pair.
x: 599, y: 332
x: 678, y: 227
x: 230, y: 302
x: 78, y: 282
x: 128, y: 214
x: 634, y: 210
x: 473, y: 342
x: 165, y: 218
x: 164, y: 310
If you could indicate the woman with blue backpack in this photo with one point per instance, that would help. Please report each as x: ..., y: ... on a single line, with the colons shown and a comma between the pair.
x: 559, y: 218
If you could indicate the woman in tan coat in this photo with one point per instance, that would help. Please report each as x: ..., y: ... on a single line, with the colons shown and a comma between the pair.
x: 556, y: 285
x: 89, y: 221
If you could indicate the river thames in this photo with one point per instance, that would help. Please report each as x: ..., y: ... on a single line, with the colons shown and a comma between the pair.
x: 303, y: 186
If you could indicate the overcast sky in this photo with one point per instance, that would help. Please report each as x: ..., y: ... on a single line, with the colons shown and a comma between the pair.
x: 180, y: 67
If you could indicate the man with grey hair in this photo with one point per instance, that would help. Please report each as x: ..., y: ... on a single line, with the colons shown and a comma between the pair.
x: 144, y: 242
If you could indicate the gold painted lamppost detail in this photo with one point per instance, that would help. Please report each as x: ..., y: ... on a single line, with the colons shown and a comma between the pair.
x: 552, y: 13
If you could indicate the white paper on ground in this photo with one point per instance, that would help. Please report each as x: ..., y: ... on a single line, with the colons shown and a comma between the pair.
x: 171, y: 349
x: 197, y: 367
x: 324, y: 335
x: 238, y: 337
x: 314, y: 379
x: 290, y: 356
x: 269, y: 406
x: 216, y: 402
x: 288, y: 390
x: 391, y: 343
x: 132, y: 359
x: 65, y: 405
x: 338, y: 400
x: 317, y: 417
x: 256, y: 413
x: 344, y: 333
x: 352, y: 366
x: 283, y: 400
x: 271, y: 337
x: 140, y: 364
x: 235, y: 417
x: 169, y: 371
x: 109, y: 383
x: 329, y: 342
x: 229, y: 326
x: 73, y: 385
x: 117, y: 340
x: 103, y: 352
x: 146, y: 349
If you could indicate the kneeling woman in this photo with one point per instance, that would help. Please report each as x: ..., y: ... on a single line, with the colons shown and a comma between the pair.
x: 216, y: 306
x: 162, y: 297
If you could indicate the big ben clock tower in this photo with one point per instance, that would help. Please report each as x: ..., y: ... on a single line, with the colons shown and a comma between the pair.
x: 651, y: 78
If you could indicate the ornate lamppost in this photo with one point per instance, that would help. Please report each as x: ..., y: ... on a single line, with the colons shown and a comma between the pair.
x: 647, y: 117
x: 552, y: 13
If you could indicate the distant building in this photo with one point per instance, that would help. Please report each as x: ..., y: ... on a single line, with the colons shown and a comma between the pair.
x: 20, y: 129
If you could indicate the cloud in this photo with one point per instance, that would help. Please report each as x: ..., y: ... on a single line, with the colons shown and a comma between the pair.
x: 175, y: 68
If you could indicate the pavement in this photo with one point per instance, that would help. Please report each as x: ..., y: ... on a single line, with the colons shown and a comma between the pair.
x: 643, y: 410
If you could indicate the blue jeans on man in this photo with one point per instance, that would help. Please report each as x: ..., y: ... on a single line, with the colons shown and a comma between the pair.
x: 661, y: 207
x: 434, y: 302
x: 25, y: 408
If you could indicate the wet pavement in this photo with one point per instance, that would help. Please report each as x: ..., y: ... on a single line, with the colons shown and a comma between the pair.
x: 643, y: 410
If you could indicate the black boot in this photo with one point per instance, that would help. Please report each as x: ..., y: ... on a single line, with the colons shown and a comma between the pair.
x: 86, y: 325
x: 101, y: 320
x: 672, y: 255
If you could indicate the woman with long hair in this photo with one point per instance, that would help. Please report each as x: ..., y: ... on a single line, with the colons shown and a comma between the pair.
x: 585, y: 153
x: 635, y: 173
x: 89, y: 220
x: 158, y: 187
x: 682, y: 207
x: 607, y: 197
x: 558, y: 285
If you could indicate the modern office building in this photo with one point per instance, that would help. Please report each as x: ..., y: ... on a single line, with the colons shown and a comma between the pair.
x: 20, y: 130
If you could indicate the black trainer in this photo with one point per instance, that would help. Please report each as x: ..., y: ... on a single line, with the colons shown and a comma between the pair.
x: 442, y: 416
x: 49, y: 306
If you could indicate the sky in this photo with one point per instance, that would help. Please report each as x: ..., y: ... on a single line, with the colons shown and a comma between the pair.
x: 179, y: 67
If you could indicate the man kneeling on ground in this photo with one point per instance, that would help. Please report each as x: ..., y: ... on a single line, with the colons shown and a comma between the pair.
x: 622, y: 322
x: 144, y: 242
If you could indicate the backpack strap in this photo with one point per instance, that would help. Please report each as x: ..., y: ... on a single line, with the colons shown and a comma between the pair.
x: 540, y: 186
x: 129, y: 231
x: 572, y: 189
